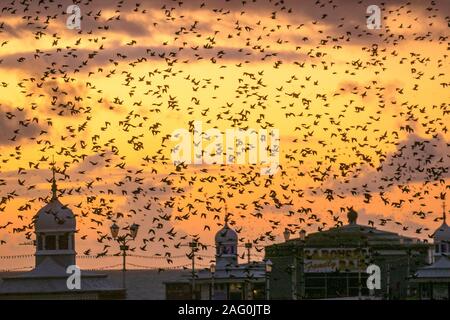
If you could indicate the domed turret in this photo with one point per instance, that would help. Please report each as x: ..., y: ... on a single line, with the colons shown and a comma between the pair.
x: 55, y: 217
x: 226, y: 235
x: 226, y: 246
x: 442, y: 233
x: 55, y: 226
x: 441, y: 236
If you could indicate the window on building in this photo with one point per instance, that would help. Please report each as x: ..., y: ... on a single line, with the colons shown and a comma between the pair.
x: 50, y: 243
x: 436, y: 248
x: 63, y: 242
x: 443, y: 247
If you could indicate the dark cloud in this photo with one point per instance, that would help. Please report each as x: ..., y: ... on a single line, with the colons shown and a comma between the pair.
x: 16, y: 125
x: 50, y: 16
x: 113, y: 17
x: 418, y: 159
x: 415, y: 160
x: 83, y: 60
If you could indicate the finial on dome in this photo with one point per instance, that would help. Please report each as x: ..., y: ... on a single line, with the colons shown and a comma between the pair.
x: 54, y: 187
x: 226, y: 214
x: 352, y: 216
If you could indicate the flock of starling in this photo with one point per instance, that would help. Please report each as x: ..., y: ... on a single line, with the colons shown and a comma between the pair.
x: 363, y: 116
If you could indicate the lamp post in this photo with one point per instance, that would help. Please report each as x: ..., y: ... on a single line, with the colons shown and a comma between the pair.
x: 248, y: 246
x: 248, y: 285
x: 123, y: 241
x: 268, y: 271
x: 213, y: 272
x: 302, y: 264
x: 193, y: 246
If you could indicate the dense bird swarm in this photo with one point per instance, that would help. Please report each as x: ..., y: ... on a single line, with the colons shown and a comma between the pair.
x: 363, y: 117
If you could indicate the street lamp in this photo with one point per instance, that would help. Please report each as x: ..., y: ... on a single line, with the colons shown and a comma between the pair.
x: 193, y: 246
x: 123, y: 241
x: 302, y: 264
x: 114, y: 231
x: 268, y: 271
x: 286, y: 234
x: 248, y: 246
x: 213, y: 271
x: 134, y: 230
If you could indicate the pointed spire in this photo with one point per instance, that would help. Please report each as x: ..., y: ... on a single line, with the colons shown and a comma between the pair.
x: 54, y: 187
x: 226, y: 215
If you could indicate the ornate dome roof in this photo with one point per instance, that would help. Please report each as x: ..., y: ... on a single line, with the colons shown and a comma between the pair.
x: 442, y: 233
x: 226, y: 234
x: 55, y: 217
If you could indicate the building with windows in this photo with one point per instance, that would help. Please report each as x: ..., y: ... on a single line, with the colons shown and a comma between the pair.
x: 434, y: 281
x: 224, y: 280
x: 441, y: 237
x: 55, y: 227
x: 332, y: 264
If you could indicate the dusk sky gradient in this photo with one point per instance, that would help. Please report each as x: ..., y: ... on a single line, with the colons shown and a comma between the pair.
x: 363, y: 118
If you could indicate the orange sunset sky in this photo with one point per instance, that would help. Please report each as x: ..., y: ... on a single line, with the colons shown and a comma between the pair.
x: 363, y: 118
